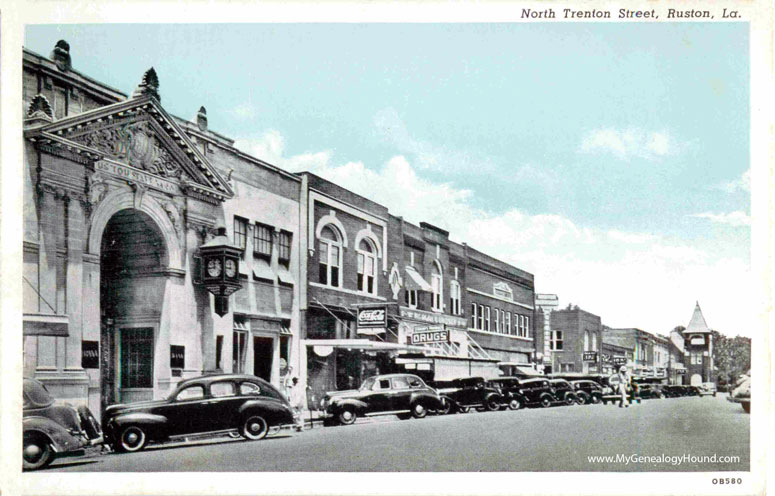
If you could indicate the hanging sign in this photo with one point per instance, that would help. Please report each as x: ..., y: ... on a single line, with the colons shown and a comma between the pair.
x: 177, y: 357
x: 428, y: 335
x: 90, y: 354
x: 372, y: 317
x: 590, y: 356
x: 619, y: 360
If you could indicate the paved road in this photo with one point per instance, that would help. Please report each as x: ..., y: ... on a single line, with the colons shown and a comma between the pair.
x: 554, y: 439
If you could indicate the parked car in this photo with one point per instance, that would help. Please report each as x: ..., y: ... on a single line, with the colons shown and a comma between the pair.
x: 403, y: 394
x: 648, y: 391
x: 691, y: 390
x: 468, y: 392
x: 52, y: 429
x: 213, y: 404
x: 519, y: 393
x: 673, y: 391
x: 563, y: 392
x: 588, y: 392
x: 742, y: 393
x: 708, y: 389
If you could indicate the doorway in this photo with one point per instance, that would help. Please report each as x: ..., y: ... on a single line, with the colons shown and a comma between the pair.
x: 132, y: 258
x: 263, y: 352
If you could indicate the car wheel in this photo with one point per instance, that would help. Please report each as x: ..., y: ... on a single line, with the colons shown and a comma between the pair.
x: 89, y: 423
x: 347, y: 416
x: 596, y: 399
x: 132, y: 439
x: 36, y: 452
x: 546, y: 402
x: 419, y: 411
x: 746, y: 407
x: 254, y: 428
x: 514, y: 404
x: 493, y: 404
x: 446, y: 407
x: 570, y: 400
x: 463, y: 409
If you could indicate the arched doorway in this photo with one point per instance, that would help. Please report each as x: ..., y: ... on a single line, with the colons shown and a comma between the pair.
x: 696, y: 380
x: 133, y: 259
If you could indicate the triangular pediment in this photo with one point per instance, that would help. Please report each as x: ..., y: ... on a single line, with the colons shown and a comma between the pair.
x: 138, y: 133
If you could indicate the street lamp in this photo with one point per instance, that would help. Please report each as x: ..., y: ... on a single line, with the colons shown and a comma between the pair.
x: 220, y: 269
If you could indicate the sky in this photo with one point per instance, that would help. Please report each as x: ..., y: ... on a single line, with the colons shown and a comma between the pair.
x: 609, y: 160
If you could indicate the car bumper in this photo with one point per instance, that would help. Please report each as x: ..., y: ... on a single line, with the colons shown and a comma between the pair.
x: 738, y: 400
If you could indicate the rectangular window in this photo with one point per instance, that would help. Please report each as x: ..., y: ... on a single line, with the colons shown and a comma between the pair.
x: 556, y: 340
x: 240, y: 232
x: 481, y: 317
x: 508, y: 323
x: 527, y: 326
x: 496, y: 321
x: 473, y: 315
x: 137, y: 358
x: 454, y: 297
x: 503, y: 322
x: 262, y: 240
x: 284, y: 246
x: 218, y: 351
x: 366, y: 272
x: 239, y: 348
x: 487, y: 318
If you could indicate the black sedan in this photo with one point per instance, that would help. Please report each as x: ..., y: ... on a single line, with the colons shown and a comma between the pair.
x: 210, y: 404
x: 588, y: 391
x: 564, y: 392
x: 466, y: 392
x: 403, y: 394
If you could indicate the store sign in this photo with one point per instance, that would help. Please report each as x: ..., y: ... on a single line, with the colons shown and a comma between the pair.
x: 177, y: 357
x: 430, y: 335
x: 605, y: 358
x: 590, y: 356
x: 619, y: 360
x: 372, y: 317
x: 90, y: 354
x: 680, y: 371
x: 431, y: 317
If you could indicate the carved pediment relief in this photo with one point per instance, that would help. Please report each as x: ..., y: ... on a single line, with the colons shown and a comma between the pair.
x: 135, y: 144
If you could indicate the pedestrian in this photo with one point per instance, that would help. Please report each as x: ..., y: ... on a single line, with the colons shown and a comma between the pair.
x: 296, y: 398
x: 624, y: 386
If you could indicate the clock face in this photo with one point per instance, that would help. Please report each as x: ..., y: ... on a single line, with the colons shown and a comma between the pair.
x: 231, y: 268
x: 214, y: 267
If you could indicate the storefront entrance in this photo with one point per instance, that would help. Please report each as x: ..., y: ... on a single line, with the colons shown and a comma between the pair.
x: 132, y: 285
x: 263, y: 351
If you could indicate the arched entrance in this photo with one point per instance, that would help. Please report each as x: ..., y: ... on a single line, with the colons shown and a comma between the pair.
x: 133, y: 260
x: 696, y: 380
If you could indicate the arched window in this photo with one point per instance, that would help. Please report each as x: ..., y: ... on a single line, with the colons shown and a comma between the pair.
x: 586, y: 340
x: 437, y: 282
x: 330, y: 256
x: 367, y: 267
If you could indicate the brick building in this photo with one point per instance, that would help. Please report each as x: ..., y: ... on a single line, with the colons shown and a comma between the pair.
x: 698, y: 349
x: 575, y: 340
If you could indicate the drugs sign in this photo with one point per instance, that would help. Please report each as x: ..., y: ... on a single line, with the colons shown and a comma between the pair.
x: 430, y: 335
x: 372, y: 317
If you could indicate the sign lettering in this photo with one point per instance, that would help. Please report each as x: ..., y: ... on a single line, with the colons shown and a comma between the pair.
x: 431, y: 318
x: 90, y: 354
x: 590, y: 356
x: 177, y: 357
x: 132, y: 174
x: 372, y: 317
x: 620, y: 360
x: 430, y: 336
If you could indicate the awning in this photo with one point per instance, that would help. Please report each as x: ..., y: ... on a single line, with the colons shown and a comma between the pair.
x: 360, y: 344
x: 285, y: 331
x: 262, y: 270
x: 527, y: 371
x: 415, y: 281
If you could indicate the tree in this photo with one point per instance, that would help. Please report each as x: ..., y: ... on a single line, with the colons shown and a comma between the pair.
x: 731, y: 357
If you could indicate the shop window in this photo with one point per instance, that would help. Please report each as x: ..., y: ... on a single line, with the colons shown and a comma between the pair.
x: 454, y: 297
x: 496, y: 321
x: 556, y: 341
x: 240, y: 233
x: 239, y: 349
x: 367, y: 267
x: 284, y: 247
x: 137, y: 358
x: 437, y: 283
x: 330, y: 256
x: 262, y: 241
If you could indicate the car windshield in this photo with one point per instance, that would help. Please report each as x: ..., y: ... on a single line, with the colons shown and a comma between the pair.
x: 36, y: 394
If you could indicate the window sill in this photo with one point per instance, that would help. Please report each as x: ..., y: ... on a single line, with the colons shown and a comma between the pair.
x: 491, y: 333
x: 346, y: 291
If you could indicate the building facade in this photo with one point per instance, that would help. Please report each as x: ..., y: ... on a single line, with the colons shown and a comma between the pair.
x: 575, y: 341
x: 648, y: 351
x: 698, y: 349
x: 119, y: 196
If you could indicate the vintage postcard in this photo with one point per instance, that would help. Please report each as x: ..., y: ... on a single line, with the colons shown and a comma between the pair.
x: 386, y: 248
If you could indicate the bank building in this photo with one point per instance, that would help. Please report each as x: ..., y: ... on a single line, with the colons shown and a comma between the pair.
x: 138, y: 225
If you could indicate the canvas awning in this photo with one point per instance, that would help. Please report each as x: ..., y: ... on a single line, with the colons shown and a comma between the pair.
x: 528, y: 371
x: 414, y: 281
x: 360, y: 344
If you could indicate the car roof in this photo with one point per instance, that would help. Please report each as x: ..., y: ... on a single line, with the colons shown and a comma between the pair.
x: 390, y: 376
x: 207, y: 379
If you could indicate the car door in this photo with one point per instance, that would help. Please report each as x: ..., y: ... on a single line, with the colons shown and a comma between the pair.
x: 401, y: 394
x: 378, y: 398
x: 184, y: 410
x: 220, y: 408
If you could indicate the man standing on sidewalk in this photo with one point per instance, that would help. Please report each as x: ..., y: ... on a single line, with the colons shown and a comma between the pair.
x: 296, y: 398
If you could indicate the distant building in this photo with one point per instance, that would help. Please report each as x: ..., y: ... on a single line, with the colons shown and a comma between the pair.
x: 698, y: 348
x: 575, y: 340
x: 649, y: 358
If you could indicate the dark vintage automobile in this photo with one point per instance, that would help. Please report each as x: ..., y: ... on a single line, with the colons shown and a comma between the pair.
x: 588, y: 392
x: 563, y: 392
x: 673, y: 391
x: 52, y: 429
x: 222, y: 403
x: 459, y: 395
x: 403, y: 394
x: 649, y: 391
x: 535, y: 392
x: 741, y: 393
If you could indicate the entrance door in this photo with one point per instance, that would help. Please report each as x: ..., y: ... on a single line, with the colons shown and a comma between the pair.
x: 263, y: 351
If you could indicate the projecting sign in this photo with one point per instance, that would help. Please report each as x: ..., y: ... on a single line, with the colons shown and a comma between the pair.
x: 618, y: 360
x: 590, y: 356
x: 430, y: 335
x: 177, y: 357
x: 90, y: 354
x: 372, y: 317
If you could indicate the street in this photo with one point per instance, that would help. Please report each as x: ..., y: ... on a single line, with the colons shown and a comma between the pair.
x: 553, y: 439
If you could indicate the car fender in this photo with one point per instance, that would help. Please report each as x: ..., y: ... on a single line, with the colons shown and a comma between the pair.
x: 431, y: 400
x: 275, y: 412
x: 497, y: 396
x: 352, y: 402
x: 546, y: 395
x: 61, y: 440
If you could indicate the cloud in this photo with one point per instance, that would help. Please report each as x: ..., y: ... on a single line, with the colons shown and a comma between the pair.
x: 629, y: 143
x: 630, y: 279
x: 244, y: 111
x: 737, y: 218
x: 741, y: 184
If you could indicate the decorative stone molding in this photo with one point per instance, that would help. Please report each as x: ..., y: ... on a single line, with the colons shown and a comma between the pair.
x: 140, y: 191
x: 174, y: 214
x: 61, y: 56
x: 331, y: 219
x: 201, y: 119
x: 40, y: 108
